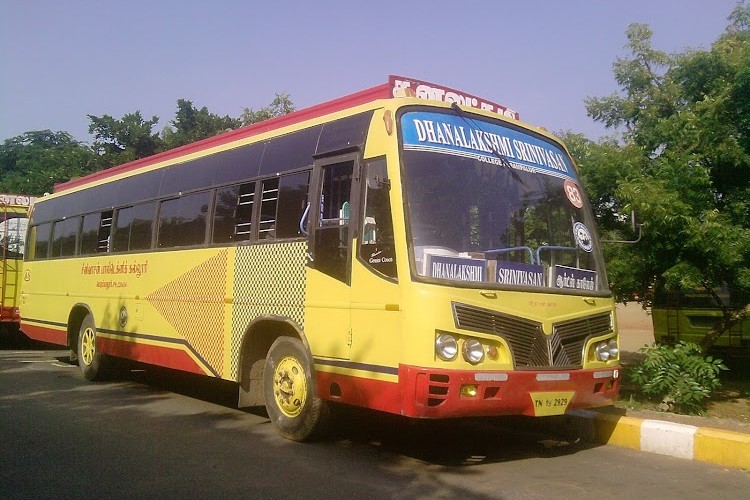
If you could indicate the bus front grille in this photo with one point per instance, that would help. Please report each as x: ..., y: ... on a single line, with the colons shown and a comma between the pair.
x: 530, y: 347
x: 574, y: 333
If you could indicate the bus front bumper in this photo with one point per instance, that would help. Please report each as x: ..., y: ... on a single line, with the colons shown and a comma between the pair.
x: 433, y: 393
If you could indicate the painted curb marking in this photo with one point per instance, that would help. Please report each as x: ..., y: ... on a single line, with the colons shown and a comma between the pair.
x: 720, y: 447
x: 667, y: 438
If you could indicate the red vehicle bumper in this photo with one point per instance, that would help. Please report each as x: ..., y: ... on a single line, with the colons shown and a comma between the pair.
x: 10, y: 314
x: 431, y: 393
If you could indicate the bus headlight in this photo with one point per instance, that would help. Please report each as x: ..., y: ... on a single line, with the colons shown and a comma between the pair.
x: 607, y: 350
x: 446, y: 347
x: 473, y: 351
x: 614, y: 349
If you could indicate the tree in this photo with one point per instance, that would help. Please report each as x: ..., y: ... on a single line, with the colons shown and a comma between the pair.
x: 684, y: 166
x: 124, y: 140
x: 281, y: 105
x: 33, y: 162
x: 601, y: 164
x: 191, y: 124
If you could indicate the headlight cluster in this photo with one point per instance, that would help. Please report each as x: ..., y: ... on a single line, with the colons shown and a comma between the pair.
x: 446, y: 347
x: 473, y: 351
x: 606, y: 350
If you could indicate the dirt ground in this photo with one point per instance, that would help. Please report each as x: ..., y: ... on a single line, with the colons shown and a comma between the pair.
x: 729, y: 407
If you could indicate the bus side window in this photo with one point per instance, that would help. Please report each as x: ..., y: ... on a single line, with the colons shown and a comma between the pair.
x: 133, y: 227
x: 64, y: 237
x: 376, y: 229
x: 332, y: 234
x: 89, y: 234
x: 182, y: 221
x: 105, y: 231
x: 40, y: 238
x: 233, y: 214
x: 268, y: 201
x: 292, y: 202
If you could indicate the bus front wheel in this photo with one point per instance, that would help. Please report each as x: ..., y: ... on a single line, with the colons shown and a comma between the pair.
x: 90, y: 360
x: 291, y: 399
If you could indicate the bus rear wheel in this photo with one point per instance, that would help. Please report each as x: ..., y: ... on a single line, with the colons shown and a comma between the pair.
x: 90, y: 360
x: 290, y: 393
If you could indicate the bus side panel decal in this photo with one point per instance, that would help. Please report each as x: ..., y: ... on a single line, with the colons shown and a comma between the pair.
x: 193, y: 304
x: 269, y: 279
x: 152, y: 354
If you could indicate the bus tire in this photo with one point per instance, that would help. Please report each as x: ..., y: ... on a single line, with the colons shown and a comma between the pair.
x: 90, y: 360
x: 290, y: 392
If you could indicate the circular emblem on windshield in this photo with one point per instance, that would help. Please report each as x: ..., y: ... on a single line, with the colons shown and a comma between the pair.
x: 573, y: 193
x: 583, y: 237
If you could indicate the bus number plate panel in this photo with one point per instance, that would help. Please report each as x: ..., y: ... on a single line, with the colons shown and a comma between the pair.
x: 550, y: 403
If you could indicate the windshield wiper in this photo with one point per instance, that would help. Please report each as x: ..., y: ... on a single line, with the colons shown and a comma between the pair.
x: 503, y: 160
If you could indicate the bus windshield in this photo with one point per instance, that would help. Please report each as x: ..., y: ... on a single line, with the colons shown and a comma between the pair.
x: 12, y: 234
x: 489, y: 204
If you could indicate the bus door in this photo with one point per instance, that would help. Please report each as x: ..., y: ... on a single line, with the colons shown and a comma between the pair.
x: 376, y: 317
x: 332, y: 213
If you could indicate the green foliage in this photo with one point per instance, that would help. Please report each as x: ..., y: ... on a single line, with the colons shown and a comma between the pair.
x: 33, y: 162
x: 681, y: 160
x: 677, y: 376
x: 281, y: 105
x: 127, y: 139
x: 191, y: 124
x: 601, y: 165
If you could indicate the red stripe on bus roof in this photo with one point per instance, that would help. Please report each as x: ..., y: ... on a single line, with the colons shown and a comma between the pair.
x: 349, y: 101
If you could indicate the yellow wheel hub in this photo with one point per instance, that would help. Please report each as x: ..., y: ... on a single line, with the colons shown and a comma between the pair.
x: 88, y: 346
x: 290, y: 386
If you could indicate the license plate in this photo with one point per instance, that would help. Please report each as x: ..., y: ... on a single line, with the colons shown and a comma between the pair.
x: 550, y: 403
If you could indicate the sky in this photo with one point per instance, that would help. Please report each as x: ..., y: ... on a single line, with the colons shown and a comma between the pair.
x: 63, y: 60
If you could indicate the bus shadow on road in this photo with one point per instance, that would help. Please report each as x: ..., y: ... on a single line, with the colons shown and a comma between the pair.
x: 12, y: 339
x: 457, y: 442
x: 450, y: 442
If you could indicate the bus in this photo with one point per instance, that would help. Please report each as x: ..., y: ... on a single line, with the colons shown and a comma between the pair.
x: 14, y: 210
x: 408, y: 248
x: 691, y: 315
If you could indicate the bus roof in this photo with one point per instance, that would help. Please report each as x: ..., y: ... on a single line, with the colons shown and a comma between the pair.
x: 397, y: 86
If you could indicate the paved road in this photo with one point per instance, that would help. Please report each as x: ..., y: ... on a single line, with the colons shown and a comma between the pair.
x: 150, y: 435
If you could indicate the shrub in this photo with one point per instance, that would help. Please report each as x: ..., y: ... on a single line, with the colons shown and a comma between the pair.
x: 678, y: 376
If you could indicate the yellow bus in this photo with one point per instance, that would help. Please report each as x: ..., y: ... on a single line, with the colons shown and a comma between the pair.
x: 14, y: 220
x: 408, y: 248
x: 691, y: 315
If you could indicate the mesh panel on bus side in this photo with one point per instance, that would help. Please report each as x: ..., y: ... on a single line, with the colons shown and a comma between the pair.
x: 268, y: 280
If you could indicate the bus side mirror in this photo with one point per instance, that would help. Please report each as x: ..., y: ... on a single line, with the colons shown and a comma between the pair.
x: 635, y: 222
x: 635, y: 225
